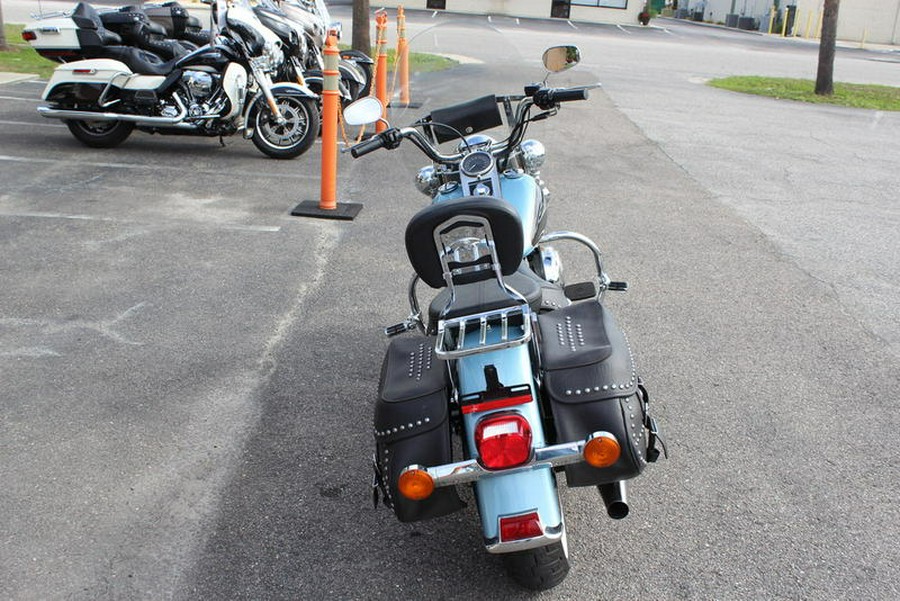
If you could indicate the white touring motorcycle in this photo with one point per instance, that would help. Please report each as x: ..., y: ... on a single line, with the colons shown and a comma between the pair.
x: 217, y: 90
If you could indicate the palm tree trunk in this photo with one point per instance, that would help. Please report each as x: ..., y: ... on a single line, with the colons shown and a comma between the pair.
x: 3, y: 44
x: 825, y: 75
x: 362, y: 39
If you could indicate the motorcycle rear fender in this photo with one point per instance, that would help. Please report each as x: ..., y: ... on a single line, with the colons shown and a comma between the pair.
x: 357, y: 57
x: 350, y: 71
x: 513, y: 493
x: 93, y: 71
x: 293, y: 89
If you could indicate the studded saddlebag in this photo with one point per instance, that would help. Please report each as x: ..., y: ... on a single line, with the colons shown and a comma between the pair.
x: 591, y: 382
x: 412, y: 425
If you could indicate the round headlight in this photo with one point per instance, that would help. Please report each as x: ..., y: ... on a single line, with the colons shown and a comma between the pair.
x: 533, y: 155
x: 427, y: 181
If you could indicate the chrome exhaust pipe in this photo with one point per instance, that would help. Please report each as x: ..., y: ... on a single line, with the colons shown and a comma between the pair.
x: 53, y: 113
x: 615, y: 497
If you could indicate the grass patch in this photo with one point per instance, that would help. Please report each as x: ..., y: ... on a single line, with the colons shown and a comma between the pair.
x: 863, y: 96
x: 21, y: 58
x: 419, y: 62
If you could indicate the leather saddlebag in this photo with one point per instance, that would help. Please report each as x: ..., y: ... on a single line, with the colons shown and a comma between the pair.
x: 590, y: 380
x: 412, y: 425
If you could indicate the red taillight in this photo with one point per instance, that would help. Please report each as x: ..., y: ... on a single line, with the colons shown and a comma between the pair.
x: 503, y: 440
x: 519, y: 527
x: 84, y: 71
x: 29, y: 35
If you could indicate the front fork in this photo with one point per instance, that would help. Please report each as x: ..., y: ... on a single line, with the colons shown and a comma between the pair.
x: 265, y: 84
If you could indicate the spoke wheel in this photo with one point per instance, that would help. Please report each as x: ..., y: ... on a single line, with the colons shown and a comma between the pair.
x: 294, y: 136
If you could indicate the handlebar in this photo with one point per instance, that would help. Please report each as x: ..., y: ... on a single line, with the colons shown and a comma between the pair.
x: 547, y: 97
x: 544, y: 98
x: 370, y: 145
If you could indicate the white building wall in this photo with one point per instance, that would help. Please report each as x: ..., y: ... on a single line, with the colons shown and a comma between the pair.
x: 539, y: 9
x: 714, y: 11
x: 876, y: 20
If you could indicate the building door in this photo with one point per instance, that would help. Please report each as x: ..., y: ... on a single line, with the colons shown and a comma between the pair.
x: 437, y: 4
x: 560, y: 9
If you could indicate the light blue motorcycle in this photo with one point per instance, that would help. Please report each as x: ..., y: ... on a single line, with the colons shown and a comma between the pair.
x: 533, y: 375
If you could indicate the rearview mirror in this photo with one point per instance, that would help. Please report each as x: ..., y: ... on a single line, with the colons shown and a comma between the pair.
x: 560, y: 58
x: 363, y: 111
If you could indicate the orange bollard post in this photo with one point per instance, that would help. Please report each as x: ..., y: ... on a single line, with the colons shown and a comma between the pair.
x: 331, y: 102
x: 328, y: 206
x: 381, y: 67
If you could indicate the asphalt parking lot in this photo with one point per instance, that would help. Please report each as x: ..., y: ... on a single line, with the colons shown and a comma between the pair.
x: 188, y: 371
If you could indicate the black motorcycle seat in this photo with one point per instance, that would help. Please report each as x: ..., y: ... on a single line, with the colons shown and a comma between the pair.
x: 486, y: 296
x: 139, y: 61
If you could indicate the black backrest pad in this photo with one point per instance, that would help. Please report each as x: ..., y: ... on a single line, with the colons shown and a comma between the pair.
x: 86, y: 16
x: 505, y: 225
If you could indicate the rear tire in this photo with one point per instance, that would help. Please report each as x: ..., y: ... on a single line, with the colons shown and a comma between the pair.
x: 538, y: 569
x: 100, y: 134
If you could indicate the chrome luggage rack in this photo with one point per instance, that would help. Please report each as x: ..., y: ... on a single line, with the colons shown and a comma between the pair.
x: 515, y: 329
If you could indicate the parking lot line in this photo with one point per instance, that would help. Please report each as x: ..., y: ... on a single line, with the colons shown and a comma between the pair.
x: 237, y: 227
x: 150, y: 167
x: 23, y: 98
x: 30, y: 123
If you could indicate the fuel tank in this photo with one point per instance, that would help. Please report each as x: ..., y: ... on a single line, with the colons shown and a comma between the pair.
x: 216, y: 57
x: 523, y: 193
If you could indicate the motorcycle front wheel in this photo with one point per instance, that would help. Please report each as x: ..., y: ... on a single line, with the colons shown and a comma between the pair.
x: 100, y: 134
x: 291, y: 138
x: 538, y: 569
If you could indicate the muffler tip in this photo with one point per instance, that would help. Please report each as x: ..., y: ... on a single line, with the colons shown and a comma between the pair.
x: 615, y: 498
x: 617, y: 510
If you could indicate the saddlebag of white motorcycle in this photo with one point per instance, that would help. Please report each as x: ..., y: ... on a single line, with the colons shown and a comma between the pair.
x: 412, y: 426
x: 592, y: 385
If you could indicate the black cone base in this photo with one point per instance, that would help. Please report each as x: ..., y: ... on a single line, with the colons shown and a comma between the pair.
x: 345, y: 211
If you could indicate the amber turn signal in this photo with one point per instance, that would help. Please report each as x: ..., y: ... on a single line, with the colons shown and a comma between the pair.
x: 601, y: 450
x: 415, y: 483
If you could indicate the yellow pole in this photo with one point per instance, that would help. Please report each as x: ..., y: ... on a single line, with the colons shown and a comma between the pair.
x: 819, y: 26
x: 784, y: 20
x: 808, y: 23
x: 772, y: 20
x: 865, y: 35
